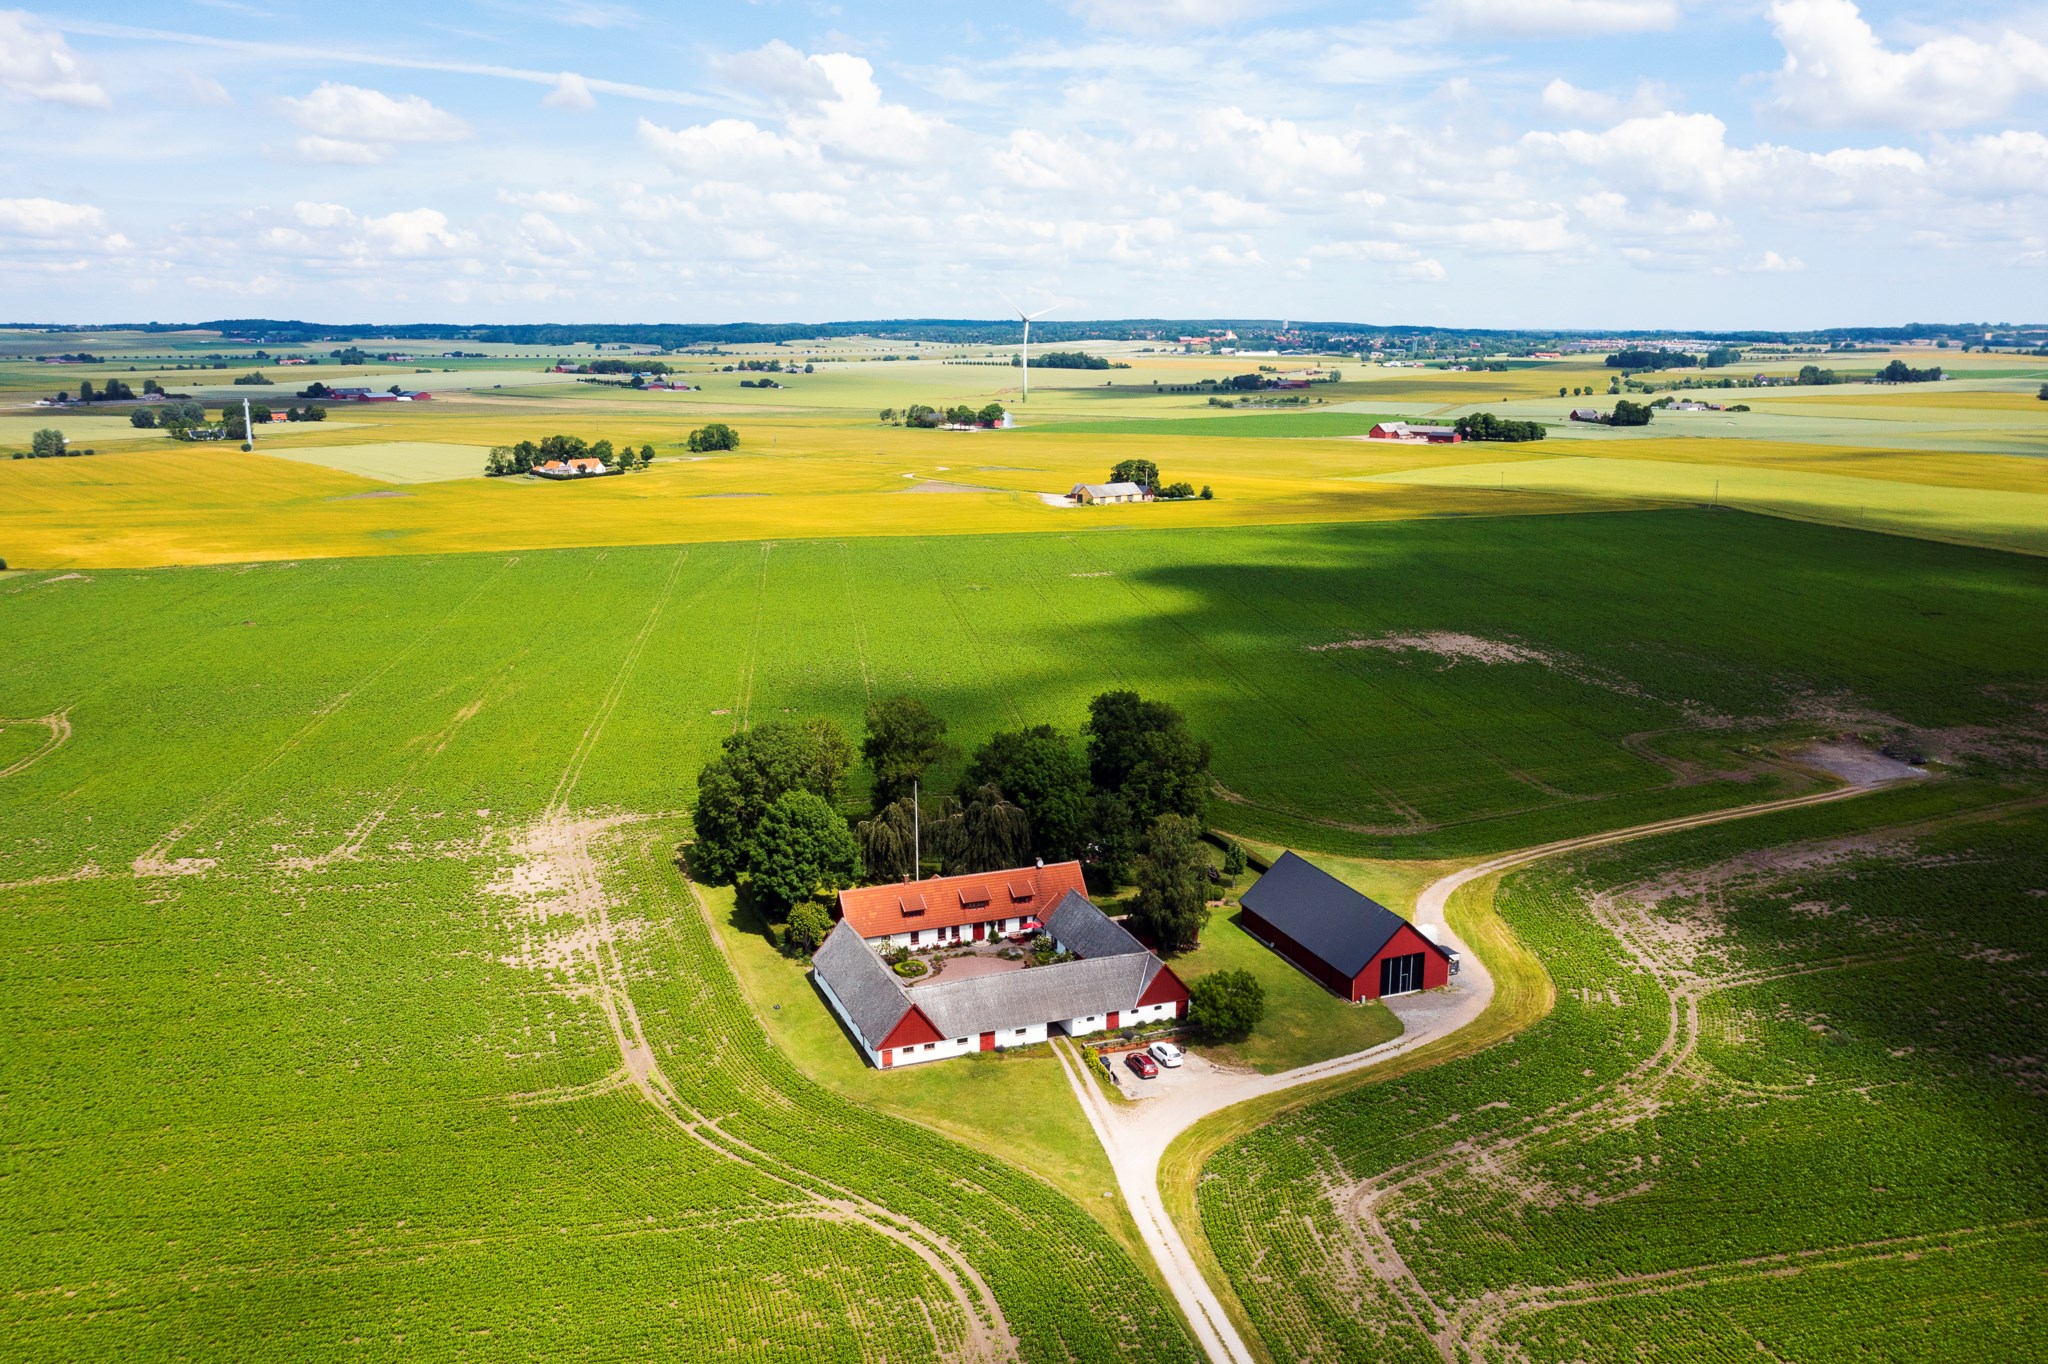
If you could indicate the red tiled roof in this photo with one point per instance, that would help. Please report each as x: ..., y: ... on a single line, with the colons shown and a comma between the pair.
x: 943, y: 901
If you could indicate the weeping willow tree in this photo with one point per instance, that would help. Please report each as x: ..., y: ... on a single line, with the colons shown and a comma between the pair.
x: 983, y: 833
x: 888, y: 842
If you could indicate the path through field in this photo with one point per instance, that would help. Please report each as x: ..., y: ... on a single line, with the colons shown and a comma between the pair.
x: 1136, y: 1135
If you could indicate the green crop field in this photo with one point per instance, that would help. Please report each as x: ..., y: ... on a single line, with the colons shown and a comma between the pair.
x: 1770, y: 1113
x: 355, y: 1003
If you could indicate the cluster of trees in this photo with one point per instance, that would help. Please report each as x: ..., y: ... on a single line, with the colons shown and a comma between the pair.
x: 624, y: 367
x: 1899, y: 372
x: 1652, y: 359
x: 48, y: 443
x: 716, y: 436
x: 1628, y: 413
x: 350, y: 355
x: 1126, y: 799
x: 1486, y: 426
x: 1721, y: 356
x: 1814, y: 374
x: 528, y: 455
x: 1145, y: 474
x: 774, y: 366
x: 929, y: 418
x: 116, y: 390
x: 1070, y: 359
x: 254, y: 376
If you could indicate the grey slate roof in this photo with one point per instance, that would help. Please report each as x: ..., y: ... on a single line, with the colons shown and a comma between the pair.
x: 870, y: 993
x: 1086, y: 931
x: 1328, y: 918
x: 1113, y: 973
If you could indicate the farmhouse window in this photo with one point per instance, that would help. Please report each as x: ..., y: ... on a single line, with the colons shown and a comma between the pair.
x: 1020, y: 1032
x: 929, y: 1045
x: 913, y: 937
x: 1401, y: 975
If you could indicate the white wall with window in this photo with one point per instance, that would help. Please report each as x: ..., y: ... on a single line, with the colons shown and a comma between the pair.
x: 942, y: 1050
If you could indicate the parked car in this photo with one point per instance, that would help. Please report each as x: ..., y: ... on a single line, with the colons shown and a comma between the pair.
x: 1166, y: 1054
x: 1143, y: 1064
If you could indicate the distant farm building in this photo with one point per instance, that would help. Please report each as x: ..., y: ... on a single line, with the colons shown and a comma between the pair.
x: 1113, y: 983
x: 1588, y: 414
x: 1090, y: 494
x: 1433, y: 435
x: 581, y: 467
x: 1352, y: 944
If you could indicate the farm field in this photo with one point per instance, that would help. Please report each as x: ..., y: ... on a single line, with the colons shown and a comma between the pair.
x: 357, y: 998
x: 814, y: 460
x: 2003, y: 518
x: 1766, y: 1112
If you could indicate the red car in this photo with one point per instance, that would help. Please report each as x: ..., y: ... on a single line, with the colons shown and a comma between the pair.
x: 1143, y: 1064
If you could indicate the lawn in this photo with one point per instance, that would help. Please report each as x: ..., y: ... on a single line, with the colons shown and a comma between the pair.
x: 1304, y: 1022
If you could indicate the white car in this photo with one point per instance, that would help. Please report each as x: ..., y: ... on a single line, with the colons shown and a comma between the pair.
x: 1165, y: 1053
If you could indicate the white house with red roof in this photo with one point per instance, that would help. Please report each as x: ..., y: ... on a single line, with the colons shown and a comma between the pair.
x: 1111, y: 982
x: 955, y: 909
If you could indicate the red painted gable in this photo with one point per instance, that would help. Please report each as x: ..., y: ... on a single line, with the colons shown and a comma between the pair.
x: 1164, y: 989
x: 910, y: 1030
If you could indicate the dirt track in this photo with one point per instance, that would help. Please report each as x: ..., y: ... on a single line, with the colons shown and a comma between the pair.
x: 1136, y: 1136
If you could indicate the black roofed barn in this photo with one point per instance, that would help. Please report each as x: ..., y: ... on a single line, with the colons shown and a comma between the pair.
x: 1353, y: 944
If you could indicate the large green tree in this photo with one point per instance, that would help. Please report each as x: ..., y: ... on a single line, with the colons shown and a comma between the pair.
x: 983, y: 832
x: 47, y: 443
x: 1041, y: 771
x: 802, y: 850
x: 1143, y: 751
x: 1142, y: 472
x: 754, y: 769
x: 1173, y: 884
x: 888, y: 842
x: 1226, y: 1005
x: 904, y: 738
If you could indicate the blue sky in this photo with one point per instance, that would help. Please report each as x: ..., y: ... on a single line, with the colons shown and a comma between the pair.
x: 1585, y: 163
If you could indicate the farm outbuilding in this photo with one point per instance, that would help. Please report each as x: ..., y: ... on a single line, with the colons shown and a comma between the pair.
x: 1351, y: 943
x: 1092, y: 494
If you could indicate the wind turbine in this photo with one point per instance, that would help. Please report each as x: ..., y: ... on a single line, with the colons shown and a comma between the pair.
x: 1028, y: 319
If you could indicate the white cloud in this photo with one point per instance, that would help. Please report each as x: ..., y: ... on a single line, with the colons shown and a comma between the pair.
x: 413, y: 232
x: 571, y: 92
x: 727, y: 142
x: 354, y: 114
x: 856, y: 121
x: 337, y: 151
x: 321, y: 215
x: 1771, y: 263
x: 548, y: 200
x: 1565, y: 100
x: 1505, y: 236
x: 1688, y: 155
x: 49, y: 218
x: 779, y: 70
x: 205, y: 90
x: 1035, y: 160
x: 1996, y: 165
x: 1367, y: 249
x: 1426, y: 271
x: 1838, y: 73
x: 36, y: 63
x: 1558, y: 18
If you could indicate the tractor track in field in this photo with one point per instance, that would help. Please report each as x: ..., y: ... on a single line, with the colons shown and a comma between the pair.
x: 558, y: 850
x: 1640, y: 1093
x: 1136, y: 1136
x: 58, y: 722
x: 156, y: 860
x: 1481, y: 1320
